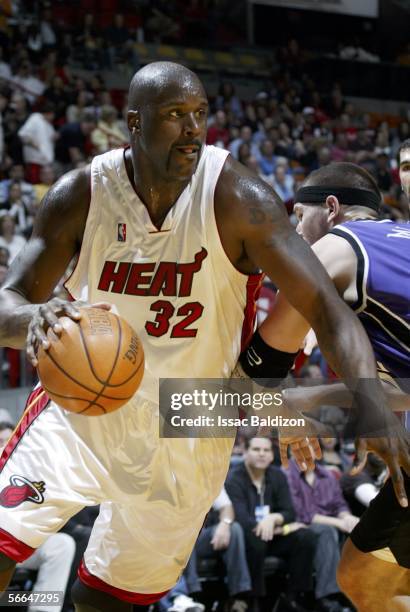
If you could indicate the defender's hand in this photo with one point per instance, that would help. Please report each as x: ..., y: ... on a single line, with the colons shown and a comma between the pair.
x: 395, y: 452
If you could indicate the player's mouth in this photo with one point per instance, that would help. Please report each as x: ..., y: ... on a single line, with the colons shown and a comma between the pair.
x: 190, y: 152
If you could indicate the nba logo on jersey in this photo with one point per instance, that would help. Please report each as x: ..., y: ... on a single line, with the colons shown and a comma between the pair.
x: 121, y: 232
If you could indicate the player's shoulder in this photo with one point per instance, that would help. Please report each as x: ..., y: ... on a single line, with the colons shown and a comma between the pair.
x: 240, y: 193
x: 66, y: 203
x: 243, y: 183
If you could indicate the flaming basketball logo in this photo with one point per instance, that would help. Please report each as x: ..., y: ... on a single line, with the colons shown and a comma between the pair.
x: 20, y: 490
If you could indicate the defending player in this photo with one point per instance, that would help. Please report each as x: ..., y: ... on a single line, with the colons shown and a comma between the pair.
x: 174, y: 234
x: 369, y: 262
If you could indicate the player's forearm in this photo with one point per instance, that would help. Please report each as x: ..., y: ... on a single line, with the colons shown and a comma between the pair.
x: 344, y: 344
x: 15, y: 315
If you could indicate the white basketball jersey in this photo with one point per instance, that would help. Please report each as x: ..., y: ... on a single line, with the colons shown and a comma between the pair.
x: 175, y: 286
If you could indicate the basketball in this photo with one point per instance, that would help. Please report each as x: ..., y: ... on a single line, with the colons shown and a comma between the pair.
x: 95, y: 365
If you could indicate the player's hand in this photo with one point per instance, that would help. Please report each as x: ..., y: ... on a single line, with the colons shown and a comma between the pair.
x: 47, y: 315
x: 305, y: 451
x: 222, y: 536
x: 265, y: 529
x: 395, y: 452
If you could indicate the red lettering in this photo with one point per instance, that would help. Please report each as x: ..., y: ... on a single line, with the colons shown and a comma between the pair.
x: 137, y: 281
x: 165, y: 279
x: 115, y: 273
x: 187, y: 271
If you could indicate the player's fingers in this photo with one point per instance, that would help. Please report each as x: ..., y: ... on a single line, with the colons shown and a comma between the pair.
x: 398, y: 482
x: 315, y: 446
x: 299, y: 456
x: 360, y: 457
x: 283, y: 451
x: 307, y: 452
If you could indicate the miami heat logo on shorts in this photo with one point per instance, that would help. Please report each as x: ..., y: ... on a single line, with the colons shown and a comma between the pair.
x: 20, y: 490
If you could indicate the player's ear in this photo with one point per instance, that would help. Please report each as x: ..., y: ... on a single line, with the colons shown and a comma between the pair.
x: 133, y: 120
x: 333, y: 207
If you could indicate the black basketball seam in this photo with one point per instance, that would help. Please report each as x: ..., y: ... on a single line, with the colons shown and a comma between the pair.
x: 71, y: 398
x: 106, y: 382
x: 80, y: 384
x: 109, y: 397
x: 103, y: 383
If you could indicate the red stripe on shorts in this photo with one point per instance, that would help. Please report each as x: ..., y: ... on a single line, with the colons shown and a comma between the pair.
x: 253, y: 287
x: 140, y: 599
x: 14, y: 548
x: 26, y: 420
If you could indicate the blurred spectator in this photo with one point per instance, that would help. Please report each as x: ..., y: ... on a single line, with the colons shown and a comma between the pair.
x: 16, y: 175
x: 88, y: 41
x: 18, y: 210
x: 282, y: 183
x: 218, y: 133
x: 4, y: 256
x: 3, y: 273
x: 71, y: 144
x: 178, y: 600
x: 8, y: 237
x: 245, y: 137
x: 383, y: 174
x: 267, y: 159
x: 38, y: 137
x: 47, y: 178
x: 83, y: 106
x: 119, y: 44
x: 318, y: 498
x: 6, y: 429
x: 359, y: 490
x: 333, y: 458
x: 107, y: 135
x: 48, y: 29
x: 223, y: 537
x: 27, y: 83
x: 263, y: 507
x: 5, y: 70
x: 228, y: 101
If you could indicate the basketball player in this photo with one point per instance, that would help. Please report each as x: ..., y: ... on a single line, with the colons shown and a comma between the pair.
x: 174, y: 234
x: 369, y: 262
x: 404, y: 167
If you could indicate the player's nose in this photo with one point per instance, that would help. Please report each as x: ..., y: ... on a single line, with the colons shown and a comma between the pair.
x: 191, y: 125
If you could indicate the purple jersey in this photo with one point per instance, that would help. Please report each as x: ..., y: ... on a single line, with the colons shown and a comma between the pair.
x: 383, y: 289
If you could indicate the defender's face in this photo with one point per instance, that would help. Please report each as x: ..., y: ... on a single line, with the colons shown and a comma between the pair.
x: 173, y: 130
x: 312, y: 221
x: 405, y: 171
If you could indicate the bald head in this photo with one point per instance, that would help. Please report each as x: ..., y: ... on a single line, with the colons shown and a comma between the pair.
x: 158, y: 80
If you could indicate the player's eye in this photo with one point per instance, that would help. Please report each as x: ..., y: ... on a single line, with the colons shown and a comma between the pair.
x: 201, y: 113
x: 175, y: 113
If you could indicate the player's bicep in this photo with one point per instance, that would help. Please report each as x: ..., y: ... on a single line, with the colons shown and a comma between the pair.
x: 56, y: 235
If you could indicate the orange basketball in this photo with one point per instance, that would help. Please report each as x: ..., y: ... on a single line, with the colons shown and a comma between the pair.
x: 94, y: 366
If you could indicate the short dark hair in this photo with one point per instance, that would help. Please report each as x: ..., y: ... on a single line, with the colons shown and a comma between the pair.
x: 249, y: 439
x: 343, y: 174
x: 403, y: 147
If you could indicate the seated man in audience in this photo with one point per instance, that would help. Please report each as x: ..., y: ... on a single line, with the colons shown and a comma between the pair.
x: 222, y: 536
x: 263, y: 507
x: 318, y: 502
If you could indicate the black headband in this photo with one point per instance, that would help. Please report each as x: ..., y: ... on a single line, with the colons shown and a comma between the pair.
x: 351, y: 196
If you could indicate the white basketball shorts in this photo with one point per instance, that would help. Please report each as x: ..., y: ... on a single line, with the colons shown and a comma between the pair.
x: 153, y: 492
